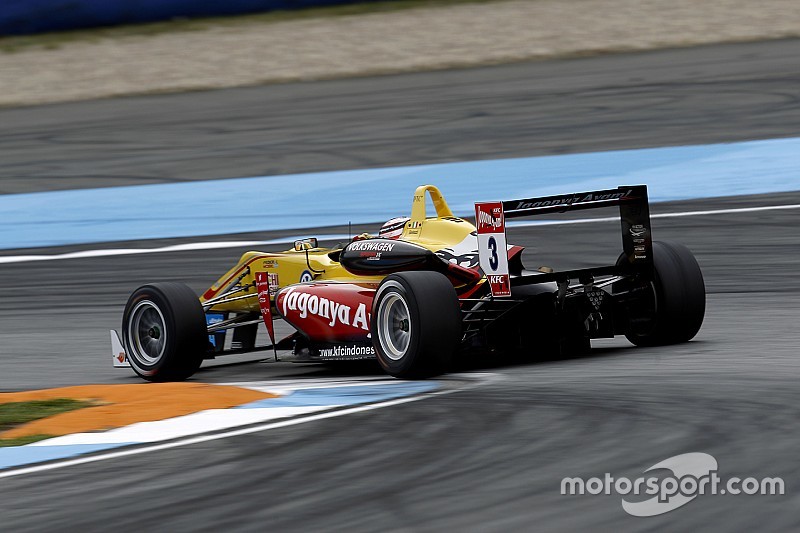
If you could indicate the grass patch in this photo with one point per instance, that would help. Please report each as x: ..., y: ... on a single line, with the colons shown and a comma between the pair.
x: 22, y: 441
x: 54, y: 40
x: 17, y: 413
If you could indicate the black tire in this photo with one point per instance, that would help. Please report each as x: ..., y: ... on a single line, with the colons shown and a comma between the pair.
x: 164, y: 332
x: 679, y: 298
x: 424, y: 345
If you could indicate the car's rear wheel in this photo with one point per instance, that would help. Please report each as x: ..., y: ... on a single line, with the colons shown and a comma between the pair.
x: 674, y: 309
x: 164, y: 332
x: 416, y: 324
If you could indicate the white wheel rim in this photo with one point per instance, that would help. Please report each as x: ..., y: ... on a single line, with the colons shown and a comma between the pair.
x: 147, y: 333
x: 394, y: 326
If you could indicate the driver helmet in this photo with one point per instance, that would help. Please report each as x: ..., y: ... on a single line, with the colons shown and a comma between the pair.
x: 393, y: 228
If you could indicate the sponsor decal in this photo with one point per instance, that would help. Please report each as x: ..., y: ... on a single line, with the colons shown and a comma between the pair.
x: 493, y: 219
x: 492, y: 247
x: 306, y: 276
x: 500, y: 284
x: 347, y: 351
x: 264, y: 290
x: 262, y: 283
x: 639, y: 233
x: 274, y: 283
x: 118, y: 357
x: 211, y: 319
x: 571, y: 199
x: 415, y: 225
x: 306, y: 304
x: 371, y: 246
x: 372, y: 256
x: 419, y: 198
x: 269, y: 263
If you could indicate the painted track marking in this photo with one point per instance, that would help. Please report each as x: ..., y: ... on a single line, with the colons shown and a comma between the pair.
x: 325, y: 199
x: 484, y: 379
x: 186, y: 247
x: 238, y: 244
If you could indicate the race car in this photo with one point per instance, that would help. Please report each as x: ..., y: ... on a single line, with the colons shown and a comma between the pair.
x: 426, y: 290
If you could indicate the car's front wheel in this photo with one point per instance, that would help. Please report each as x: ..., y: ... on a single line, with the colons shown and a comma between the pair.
x: 164, y: 332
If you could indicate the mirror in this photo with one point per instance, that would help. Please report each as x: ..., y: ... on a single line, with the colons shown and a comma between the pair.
x: 306, y: 244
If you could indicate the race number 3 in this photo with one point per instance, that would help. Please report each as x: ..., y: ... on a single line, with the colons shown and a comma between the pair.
x: 492, y: 248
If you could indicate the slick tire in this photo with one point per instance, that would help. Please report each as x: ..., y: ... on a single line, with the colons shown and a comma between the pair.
x: 679, y: 298
x: 164, y: 332
x: 416, y: 324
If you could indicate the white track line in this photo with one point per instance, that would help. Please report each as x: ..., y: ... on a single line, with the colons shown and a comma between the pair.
x: 243, y: 431
x: 173, y: 248
x: 241, y: 244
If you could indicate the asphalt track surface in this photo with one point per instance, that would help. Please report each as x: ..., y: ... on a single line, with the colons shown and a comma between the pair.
x: 672, y: 97
x: 491, y: 457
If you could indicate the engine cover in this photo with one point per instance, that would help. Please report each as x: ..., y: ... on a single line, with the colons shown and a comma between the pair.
x: 379, y: 257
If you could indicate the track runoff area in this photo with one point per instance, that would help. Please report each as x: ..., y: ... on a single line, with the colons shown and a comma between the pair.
x: 364, y: 196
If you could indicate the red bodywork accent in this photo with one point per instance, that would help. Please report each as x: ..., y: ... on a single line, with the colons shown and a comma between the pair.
x: 329, y: 311
x: 468, y: 292
x: 262, y: 288
x: 514, y: 251
x: 460, y: 275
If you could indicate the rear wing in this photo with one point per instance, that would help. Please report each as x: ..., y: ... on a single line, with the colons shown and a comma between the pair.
x: 634, y: 212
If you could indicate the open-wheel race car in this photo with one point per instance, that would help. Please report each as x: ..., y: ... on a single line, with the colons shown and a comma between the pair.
x: 424, y: 291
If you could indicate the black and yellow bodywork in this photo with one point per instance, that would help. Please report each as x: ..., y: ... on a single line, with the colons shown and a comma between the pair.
x: 424, y: 291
